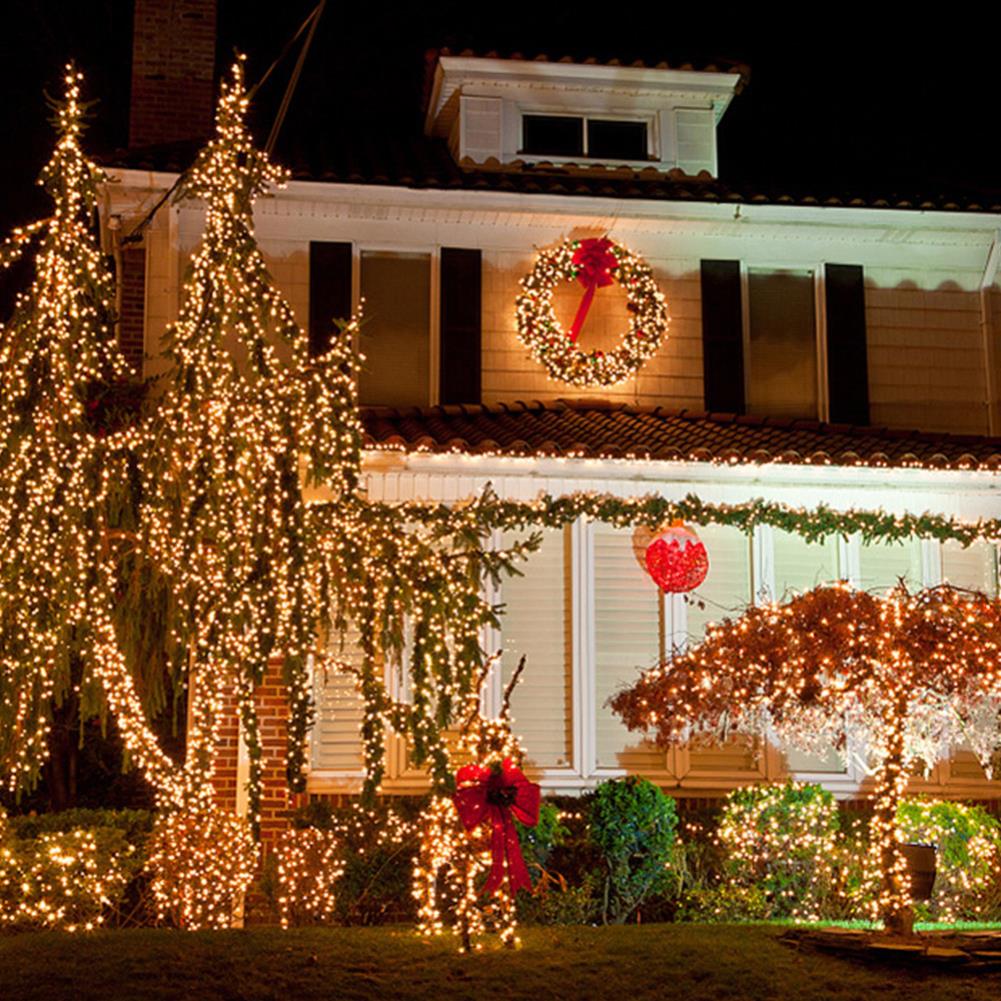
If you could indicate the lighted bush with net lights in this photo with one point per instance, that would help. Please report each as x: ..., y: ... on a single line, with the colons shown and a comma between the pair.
x: 308, y: 866
x: 968, y: 857
x: 782, y: 840
x: 65, y: 880
x: 202, y: 863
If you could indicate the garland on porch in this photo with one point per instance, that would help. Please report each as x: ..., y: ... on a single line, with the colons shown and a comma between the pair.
x: 488, y: 511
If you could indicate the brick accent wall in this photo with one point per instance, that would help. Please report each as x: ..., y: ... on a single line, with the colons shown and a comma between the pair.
x: 131, y: 320
x: 173, y: 69
x: 277, y: 803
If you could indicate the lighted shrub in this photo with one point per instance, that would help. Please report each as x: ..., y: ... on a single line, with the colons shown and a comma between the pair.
x: 632, y: 824
x: 66, y: 880
x: 783, y: 841
x: 201, y: 864
x: 968, y: 857
x: 308, y: 866
x: 378, y: 846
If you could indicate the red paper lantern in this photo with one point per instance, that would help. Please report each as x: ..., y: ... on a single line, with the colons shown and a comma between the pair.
x: 675, y: 557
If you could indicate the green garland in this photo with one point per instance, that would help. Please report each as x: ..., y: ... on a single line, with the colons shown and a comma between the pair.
x: 814, y: 524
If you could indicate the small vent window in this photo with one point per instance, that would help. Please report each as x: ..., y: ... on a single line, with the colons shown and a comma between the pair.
x: 616, y: 140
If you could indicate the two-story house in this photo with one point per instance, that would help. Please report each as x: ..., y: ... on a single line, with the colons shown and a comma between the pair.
x: 842, y: 351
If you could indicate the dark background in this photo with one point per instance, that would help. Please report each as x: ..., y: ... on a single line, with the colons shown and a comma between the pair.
x: 843, y: 98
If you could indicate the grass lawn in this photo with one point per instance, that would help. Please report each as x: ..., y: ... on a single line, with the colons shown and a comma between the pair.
x: 673, y: 961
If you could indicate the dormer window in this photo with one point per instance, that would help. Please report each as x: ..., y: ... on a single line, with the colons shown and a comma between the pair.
x: 508, y: 112
x: 566, y: 136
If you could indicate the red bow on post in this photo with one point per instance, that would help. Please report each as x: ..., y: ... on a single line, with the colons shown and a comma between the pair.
x: 499, y: 794
x: 594, y: 262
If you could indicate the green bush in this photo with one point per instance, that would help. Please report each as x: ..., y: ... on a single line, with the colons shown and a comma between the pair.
x: 377, y: 846
x: 68, y: 880
x: 537, y: 843
x: 135, y: 825
x: 725, y: 902
x: 968, y: 842
x: 783, y: 841
x: 632, y: 824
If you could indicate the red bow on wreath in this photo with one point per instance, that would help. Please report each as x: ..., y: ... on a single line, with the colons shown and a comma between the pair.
x: 500, y: 794
x: 594, y: 262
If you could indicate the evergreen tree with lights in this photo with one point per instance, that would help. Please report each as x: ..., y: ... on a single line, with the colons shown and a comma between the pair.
x: 58, y: 358
x: 246, y: 423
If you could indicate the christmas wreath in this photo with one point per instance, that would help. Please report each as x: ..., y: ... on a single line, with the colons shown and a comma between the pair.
x: 594, y: 263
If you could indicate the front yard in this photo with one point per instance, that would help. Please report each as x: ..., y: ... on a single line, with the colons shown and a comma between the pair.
x: 675, y: 961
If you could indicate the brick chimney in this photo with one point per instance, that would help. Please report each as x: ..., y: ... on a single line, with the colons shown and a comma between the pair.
x: 173, y: 70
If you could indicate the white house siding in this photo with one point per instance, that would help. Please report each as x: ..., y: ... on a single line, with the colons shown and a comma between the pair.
x: 931, y: 334
x: 926, y: 355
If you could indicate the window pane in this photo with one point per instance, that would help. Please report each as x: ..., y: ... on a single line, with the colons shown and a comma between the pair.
x: 616, y: 140
x: 627, y: 628
x: 726, y: 591
x: 882, y: 565
x: 830, y: 763
x: 801, y: 565
x: 781, y: 367
x: 396, y: 330
x: 335, y: 741
x: 556, y: 135
x: 974, y: 568
x: 536, y: 624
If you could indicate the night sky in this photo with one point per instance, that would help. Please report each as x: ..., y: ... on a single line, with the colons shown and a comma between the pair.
x: 840, y: 100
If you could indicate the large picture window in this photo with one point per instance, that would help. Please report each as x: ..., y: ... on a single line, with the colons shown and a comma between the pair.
x: 588, y: 620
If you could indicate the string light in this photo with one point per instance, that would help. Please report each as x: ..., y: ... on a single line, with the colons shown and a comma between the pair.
x: 551, y: 346
x: 59, y: 880
x: 905, y: 675
x: 309, y: 864
x: 202, y: 863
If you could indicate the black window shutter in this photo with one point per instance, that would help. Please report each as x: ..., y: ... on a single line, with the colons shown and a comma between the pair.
x: 460, y: 314
x: 722, y: 337
x: 329, y: 291
x: 847, y: 365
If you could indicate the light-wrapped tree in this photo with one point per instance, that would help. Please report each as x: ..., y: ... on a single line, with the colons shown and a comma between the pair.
x: 58, y: 361
x: 905, y: 676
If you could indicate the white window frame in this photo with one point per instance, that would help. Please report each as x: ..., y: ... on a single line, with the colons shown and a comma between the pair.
x: 819, y: 325
x: 583, y: 772
x: 433, y: 251
x: 654, y: 140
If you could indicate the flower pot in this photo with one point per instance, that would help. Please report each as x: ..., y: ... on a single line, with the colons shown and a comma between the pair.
x: 920, y: 861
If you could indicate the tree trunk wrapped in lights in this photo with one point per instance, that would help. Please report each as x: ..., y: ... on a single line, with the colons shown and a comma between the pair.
x: 907, y: 676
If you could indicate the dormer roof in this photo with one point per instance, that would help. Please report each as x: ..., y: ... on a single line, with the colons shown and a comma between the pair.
x: 484, y: 105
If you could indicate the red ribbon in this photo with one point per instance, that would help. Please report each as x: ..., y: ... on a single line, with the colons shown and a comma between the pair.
x: 594, y: 262
x: 499, y: 794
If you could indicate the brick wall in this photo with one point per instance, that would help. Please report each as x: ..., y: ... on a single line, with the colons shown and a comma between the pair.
x: 277, y: 803
x: 173, y: 68
x: 131, y: 321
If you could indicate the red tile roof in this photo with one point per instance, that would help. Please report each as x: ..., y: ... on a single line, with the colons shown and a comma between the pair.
x: 596, y: 429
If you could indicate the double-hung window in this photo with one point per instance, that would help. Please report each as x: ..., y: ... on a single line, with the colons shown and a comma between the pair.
x: 421, y: 332
x: 785, y: 342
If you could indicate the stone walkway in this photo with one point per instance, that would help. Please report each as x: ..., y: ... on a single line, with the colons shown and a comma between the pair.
x: 966, y: 950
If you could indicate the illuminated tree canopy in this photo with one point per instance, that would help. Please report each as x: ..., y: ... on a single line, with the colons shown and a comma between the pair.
x: 904, y: 676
